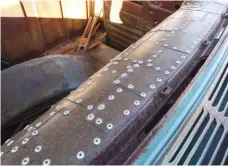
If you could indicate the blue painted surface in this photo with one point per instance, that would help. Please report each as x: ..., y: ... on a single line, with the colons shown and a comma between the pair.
x: 188, y: 104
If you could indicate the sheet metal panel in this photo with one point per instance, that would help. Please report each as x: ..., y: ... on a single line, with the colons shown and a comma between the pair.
x: 115, y: 121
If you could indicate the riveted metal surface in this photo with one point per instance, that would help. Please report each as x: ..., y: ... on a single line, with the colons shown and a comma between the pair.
x: 64, y: 104
x: 195, y: 129
x: 205, y: 6
x: 115, y: 103
x: 97, y: 85
x: 150, y: 84
x: 123, y: 100
x: 189, y: 15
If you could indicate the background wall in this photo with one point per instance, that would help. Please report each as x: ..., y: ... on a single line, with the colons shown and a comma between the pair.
x: 30, y: 27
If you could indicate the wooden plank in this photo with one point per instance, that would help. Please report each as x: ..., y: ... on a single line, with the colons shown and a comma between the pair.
x: 16, y: 38
x: 50, y: 18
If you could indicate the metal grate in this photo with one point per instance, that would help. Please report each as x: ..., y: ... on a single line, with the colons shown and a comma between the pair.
x: 219, y: 96
x: 204, y: 140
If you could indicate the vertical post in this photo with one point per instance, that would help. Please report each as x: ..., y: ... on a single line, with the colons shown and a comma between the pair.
x: 63, y: 21
x: 28, y: 25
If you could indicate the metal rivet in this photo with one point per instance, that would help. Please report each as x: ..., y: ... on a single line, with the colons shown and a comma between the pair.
x: 166, y: 45
x: 99, y: 121
x: 89, y: 82
x: 90, y: 117
x: 35, y: 132
x: 114, y: 71
x: 111, y: 97
x: 173, y: 67
x: 178, y: 62
x: 130, y: 70
x: 116, y: 81
x: 46, y: 162
x: 119, y: 90
x: 136, y: 65
x: 136, y: 102
x: 167, y: 72
x: 38, y: 149
x: 70, y: 97
x: 149, y: 64
x: 78, y: 101
x: 80, y: 89
x: 115, y: 63
x: 174, y: 48
x: 25, y: 141
x: 135, y: 60
x: 101, y: 107
x: 183, y: 56
x: 157, y: 68
x: 67, y: 112
x: 152, y: 86
x: 124, y: 75
x: 110, y: 126
x: 126, y: 112
x: 8, y: 144
x: 159, y: 79
x: 143, y: 94
x: 15, y: 149
x: 149, y: 60
x: 30, y: 128
x: 58, y: 107
x: 130, y: 86
x: 25, y: 161
x: 125, y: 59
x: 90, y: 107
x: 80, y: 155
x: 160, y: 51
x: 52, y: 113
x: 128, y: 66
x: 98, y: 75
x: 96, y: 141
x: 140, y: 62
x: 154, y: 55
x: 119, y: 58
x: 25, y: 128
x: 8, y: 140
x: 188, y: 51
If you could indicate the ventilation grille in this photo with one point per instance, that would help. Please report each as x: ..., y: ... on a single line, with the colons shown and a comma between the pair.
x: 204, y: 139
x: 219, y: 95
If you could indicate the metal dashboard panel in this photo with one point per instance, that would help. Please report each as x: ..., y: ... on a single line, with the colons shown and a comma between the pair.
x: 93, y: 123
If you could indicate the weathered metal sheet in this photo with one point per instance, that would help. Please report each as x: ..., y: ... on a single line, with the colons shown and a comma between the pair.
x: 110, y: 111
